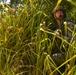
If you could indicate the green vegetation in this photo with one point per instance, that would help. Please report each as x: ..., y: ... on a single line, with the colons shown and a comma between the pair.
x: 25, y: 46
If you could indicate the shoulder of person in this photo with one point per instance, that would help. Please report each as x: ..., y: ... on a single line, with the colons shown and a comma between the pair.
x: 70, y: 25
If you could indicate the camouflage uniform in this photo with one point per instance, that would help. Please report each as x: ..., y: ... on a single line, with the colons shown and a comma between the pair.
x: 65, y: 29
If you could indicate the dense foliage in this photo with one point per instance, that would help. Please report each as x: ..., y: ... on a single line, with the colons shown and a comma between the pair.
x: 25, y: 43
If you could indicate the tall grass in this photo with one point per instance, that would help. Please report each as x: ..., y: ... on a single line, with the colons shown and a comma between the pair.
x: 25, y: 46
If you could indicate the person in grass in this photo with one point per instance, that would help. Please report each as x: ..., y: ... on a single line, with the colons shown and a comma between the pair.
x: 63, y: 29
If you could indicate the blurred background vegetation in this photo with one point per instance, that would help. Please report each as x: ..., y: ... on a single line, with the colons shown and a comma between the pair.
x: 25, y: 48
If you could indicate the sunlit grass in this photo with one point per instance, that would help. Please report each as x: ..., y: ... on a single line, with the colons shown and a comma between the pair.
x: 26, y: 40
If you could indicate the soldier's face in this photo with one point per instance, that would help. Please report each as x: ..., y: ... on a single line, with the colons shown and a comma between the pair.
x: 59, y: 15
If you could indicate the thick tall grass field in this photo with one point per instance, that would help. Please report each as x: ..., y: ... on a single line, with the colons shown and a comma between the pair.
x: 26, y: 39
